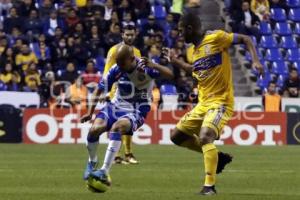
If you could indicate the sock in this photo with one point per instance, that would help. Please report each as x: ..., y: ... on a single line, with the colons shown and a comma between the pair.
x: 210, y: 154
x: 111, y: 151
x: 127, y: 142
x: 92, y: 146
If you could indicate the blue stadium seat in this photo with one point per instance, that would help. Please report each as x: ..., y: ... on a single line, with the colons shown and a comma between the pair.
x: 265, y: 28
x: 249, y: 58
x: 263, y: 82
x: 141, y: 22
x: 297, y: 65
x: 297, y: 29
x: 280, y: 81
x: 268, y: 42
x: 168, y: 89
x: 159, y: 11
x: 279, y: 68
x: 288, y: 42
x: 273, y: 55
x: 278, y: 14
x: 293, y: 55
x: 293, y: 3
x: 283, y: 28
x: 294, y: 14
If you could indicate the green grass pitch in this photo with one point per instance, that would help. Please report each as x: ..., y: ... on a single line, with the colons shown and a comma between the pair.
x: 54, y: 172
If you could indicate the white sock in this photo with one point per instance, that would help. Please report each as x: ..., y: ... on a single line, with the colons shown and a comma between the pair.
x: 111, y: 151
x: 92, y: 149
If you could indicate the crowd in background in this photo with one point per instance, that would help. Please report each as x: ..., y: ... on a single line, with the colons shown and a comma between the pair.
x: 54, y: 46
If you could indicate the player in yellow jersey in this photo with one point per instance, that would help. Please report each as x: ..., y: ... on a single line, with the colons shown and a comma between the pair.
x: 211, y: 67
x: 128, y: 35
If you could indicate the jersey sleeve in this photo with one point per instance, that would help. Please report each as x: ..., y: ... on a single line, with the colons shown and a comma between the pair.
x: 225, y: 39
x: 110, y: 60
x: 153, y: 73
x: 109, y: 79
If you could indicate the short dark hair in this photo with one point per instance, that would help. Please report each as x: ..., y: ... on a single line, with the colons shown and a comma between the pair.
x: 293, y: 69
x: 272, y: 82
x: 129, y: 27
x: 192, y: 19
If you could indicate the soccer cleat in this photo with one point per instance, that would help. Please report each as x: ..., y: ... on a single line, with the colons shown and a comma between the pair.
x: 223, y: 160
x: 208, y: 191
x: 131, y: 159
x: 89, y: 168
x: 120, y: 160
x: 102, y: 176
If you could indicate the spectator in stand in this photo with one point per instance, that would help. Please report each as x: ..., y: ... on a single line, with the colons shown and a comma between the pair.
x: 80, y: 52
x: 3, y: 45
x: 41, y: 50
x: 173, y: 37
x: 151, y: 26
x: 261, y: 8
x: 32, y: 78
x: 8, y: 57
x: 142, y: 8
x: 124, y: 8
x: 60, y: 53
x: 114, y: 35
x: 5, y: 5
x: 10, y: 78
x: 17, y: 46
x: 77, y: 95
x: 33, y: 23
x: 246, y: 22
x: 79, y: 31
x: 25, y: 58
x: 52, y: 23
x: 95, y: 42
x: 154, y: 53
x: 26, y: 7
x: 108, y: 9
x: 70, y: 74
x: 271, y: 100
x: 127, y: 20
x: 171, y: 24
x: 72, y: 19
x: 91, y: 77
x: 46, y: 9
x: 13, y: 20
x: 291, y: 86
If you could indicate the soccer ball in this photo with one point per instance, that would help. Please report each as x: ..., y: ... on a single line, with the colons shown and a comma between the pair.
x: 97, y: 186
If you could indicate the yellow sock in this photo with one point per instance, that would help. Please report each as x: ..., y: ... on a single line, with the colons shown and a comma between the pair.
x: 210, y: 154
x: 127, y: 142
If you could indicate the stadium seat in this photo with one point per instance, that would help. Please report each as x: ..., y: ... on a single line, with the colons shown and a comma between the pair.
x: 293, y: 55
x: 288, y: 42
x: 297, y: 65
x: 159, y: 11
x: 263, y: 81
x: 278, y: 14
x: 293, y: 3
x: 283, y: 28
x: 141, y: 22
x: 249, y: 58
x: 297, y: 29
x: 294, y: 14
x: 280, y: 81
x: 100, y: 63
x: 168, y: 89
x: 279, y: 68
x: 268, y: 42
x: 273, y: 55
x: 169, y: 97
x: 265, y: 28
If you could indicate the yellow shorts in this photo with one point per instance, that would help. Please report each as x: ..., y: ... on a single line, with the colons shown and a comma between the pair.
x: 214, y: 116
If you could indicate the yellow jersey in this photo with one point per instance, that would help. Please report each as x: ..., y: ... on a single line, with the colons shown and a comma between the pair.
x: 25, y: 60
x: 212, y: 68
x: 111, y: 57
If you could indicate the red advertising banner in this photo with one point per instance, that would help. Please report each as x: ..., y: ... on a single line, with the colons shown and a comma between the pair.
x: 62, y: 126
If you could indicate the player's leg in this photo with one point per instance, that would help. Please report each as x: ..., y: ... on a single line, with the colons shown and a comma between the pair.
x: 186, y: 133
x: 182, y: 139
x: 212, y: 126
x: 98, y: 127
x: 127, y: 143
x: 120, y: 127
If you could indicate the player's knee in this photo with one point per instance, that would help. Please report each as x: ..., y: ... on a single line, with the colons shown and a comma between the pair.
x: 94, y: 133
x: 122, y: 126
x: 176, y: 137
x: 207, y: 136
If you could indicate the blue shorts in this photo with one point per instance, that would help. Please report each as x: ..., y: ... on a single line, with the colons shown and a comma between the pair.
x: 110, y: 113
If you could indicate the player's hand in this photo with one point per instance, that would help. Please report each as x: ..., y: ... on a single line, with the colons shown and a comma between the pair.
x: 147, y: 62
x: 85, y: 118
x: 166, y: 53
x: 259, y: 67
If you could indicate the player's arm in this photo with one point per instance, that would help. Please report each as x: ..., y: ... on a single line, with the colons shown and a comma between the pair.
x: 162, y: 70
x: 172, y: 57
x: 246, y: 40
x: 104, y: 86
